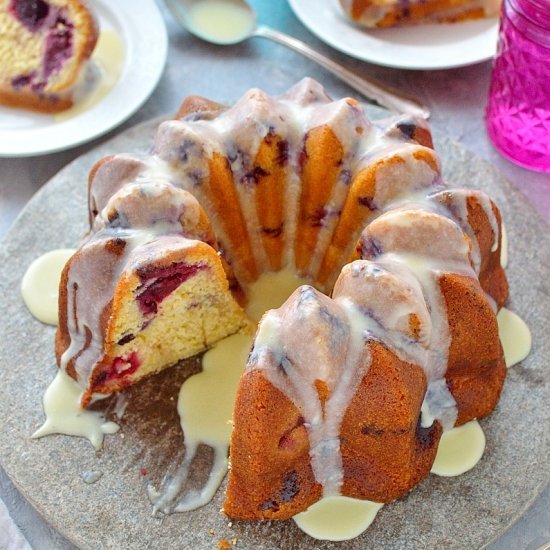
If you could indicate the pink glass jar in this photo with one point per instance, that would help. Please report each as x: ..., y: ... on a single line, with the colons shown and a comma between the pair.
x: 518, y: 111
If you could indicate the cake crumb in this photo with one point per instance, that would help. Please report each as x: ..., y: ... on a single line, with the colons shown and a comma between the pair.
x: 230, y: 524
x: 211, y: 531
x: 223, y: 545
x: 234, y: 541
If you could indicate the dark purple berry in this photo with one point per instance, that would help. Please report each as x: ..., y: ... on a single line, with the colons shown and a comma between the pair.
x: 59, y: 46
x: 30, y: 13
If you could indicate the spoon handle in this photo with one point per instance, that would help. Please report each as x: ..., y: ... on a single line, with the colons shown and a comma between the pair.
x: 385, y: 96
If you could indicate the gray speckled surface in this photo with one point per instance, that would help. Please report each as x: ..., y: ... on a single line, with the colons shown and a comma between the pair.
x: 114, y: 512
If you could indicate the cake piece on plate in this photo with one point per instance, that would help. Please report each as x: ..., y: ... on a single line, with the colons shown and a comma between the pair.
x: 391, y: 13
x: 44, y: 46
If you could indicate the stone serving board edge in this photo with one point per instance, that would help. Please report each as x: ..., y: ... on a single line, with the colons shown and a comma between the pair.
x: 465, y: 512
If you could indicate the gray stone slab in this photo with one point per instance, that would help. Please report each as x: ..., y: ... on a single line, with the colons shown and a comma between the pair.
x: 465, y: 512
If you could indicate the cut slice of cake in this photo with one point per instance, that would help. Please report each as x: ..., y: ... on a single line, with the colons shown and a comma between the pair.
x: 392, y: 13
x: 44, y: 45
x: 148, y: 290
x: 172, y: 301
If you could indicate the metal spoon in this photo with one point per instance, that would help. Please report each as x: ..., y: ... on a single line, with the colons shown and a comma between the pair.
x: 194, y: 16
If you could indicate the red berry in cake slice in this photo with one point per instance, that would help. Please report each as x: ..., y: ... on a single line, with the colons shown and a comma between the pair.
x: 124, y: 366
x: 159, y: 284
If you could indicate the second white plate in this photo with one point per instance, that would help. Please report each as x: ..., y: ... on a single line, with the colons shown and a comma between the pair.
x: 421, y: 47
x: 143, y: 33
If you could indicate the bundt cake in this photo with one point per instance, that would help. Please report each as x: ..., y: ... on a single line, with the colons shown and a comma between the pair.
x: 384, y: 13
x: 345, y: 394
x: 44, y: 45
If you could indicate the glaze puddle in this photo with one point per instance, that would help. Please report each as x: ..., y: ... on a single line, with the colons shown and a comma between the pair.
x: 205, y: 406
x: 337, y: 518
x: 460, y: 449
x: 271, y: 290
x: 107, y: 63
x: 40, y: 284
x: 515, y: 337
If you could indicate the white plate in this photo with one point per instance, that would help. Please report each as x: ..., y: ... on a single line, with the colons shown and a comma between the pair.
x: 143, y: 33
x: 421, y: 47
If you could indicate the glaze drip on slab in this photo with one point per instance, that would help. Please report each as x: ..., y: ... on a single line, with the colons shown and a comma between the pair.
x: 64, y: 414
x: 515, y: 337
x: 459, y: 450
x: 40, y: 284
x: 337, y: 518
x: 206, y: 400
x: 205, y: 406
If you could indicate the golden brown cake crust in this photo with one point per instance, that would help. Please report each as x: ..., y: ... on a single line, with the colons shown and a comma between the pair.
x: 476, y: 369
x: 321, y: 162
x: 273, y: 480
x: 197, y: 104
x: 384, y: 450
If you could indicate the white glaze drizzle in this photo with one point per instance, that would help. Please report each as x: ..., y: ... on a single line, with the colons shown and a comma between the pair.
x: 504, y: 247
x: 180, y: 159
x: 237, y: 133
x: 122, y: 220
x: 417, y: 246
x: 357, y: 362
x: 205, y: 402
x: 294, y: 369
x: 428, y: 245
